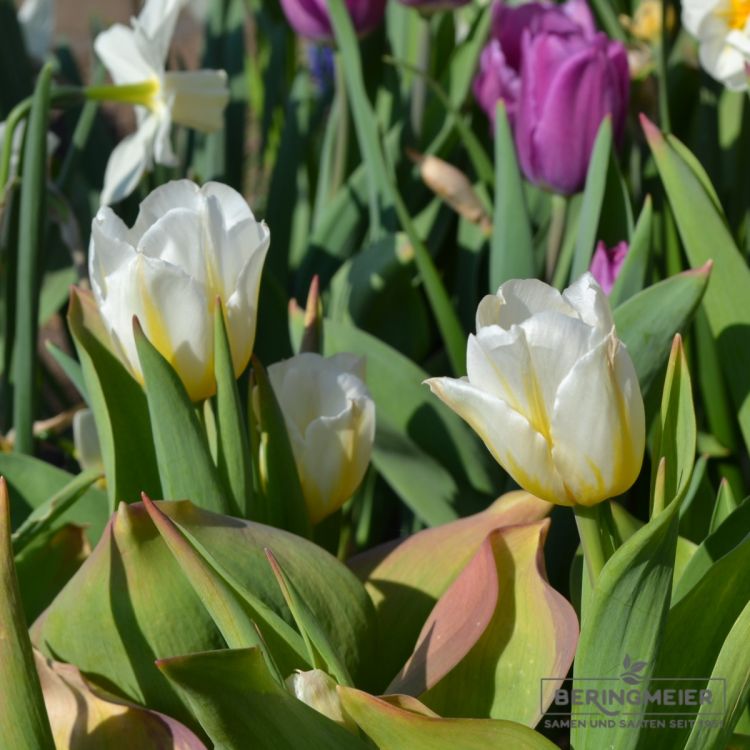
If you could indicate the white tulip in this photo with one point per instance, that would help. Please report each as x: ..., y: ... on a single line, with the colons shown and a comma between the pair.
x: 88, y: 449
x: 135, y: 58
x: 552, y: 392
x: 330, y: 418
x: 722, y: 29
x: 188, y: 247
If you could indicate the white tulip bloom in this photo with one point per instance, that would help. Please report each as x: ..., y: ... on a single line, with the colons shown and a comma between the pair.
x: 317, y: 689
x: 37, y: 21
x: 723, y: 33
x: 135, y: 58
x: 188, y: 247
x: 552, y: 392
x: 330, y: 417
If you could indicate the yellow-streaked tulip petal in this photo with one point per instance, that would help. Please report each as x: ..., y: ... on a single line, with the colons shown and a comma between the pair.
x: 521, y: 450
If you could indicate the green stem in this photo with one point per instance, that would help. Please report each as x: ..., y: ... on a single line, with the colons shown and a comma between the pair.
x: 661, y: 50
x: 591, y: 530
x: 556, y: 232
x: 419, y: 87
x: 62, y: 95
x: 342, y: 127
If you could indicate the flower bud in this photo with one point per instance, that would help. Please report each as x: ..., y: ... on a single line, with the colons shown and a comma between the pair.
x: 189, y: 246
x: 606, y: 264
x: 310, y: 19
x: 317, y: 689
x: 330, y: 417
x: 552, y: 392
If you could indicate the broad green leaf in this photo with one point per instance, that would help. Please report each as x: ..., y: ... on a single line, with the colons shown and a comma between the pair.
x: 726, y: 504
x: 43, y: 516
x: 23, y: 719
x: 697, y: 626
x: 705, y: 237
x: 284, y: 501
x: 239, y: 705
x: 395, y: 384
x: 119, y: 406
x: 392, y: 727
x: 186, y: 469
x: 234, y: 464
x: 632, y: 275
x: 81, y: 717
x: 71, y: 367
x: 499, y: 618
x: 512, y: 247
x: 32, y: 222
x: 425, y: 486
x: 136, y: 597
x: 733, y: 669
x: 648, y: 321
x: 32, y: 483
x: 237, y: 613
x: 730, y: 533
x: 47, y: 564
x: 676, y: 432
x: 405, y: 579
x: 624, y: 619
x: 322, y: 651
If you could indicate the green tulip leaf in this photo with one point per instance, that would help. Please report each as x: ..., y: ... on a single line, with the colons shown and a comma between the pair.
x: 141, y: 602
x: 186, y: 468
x: 240, y: 705
x: 405, y: 579
x: 706, y: 237
x: 499, y: 618
x: 119, y: 406
x: 393, y: 727
x: 632, y: 275
x: 648, y: 321
x: 23, y: 719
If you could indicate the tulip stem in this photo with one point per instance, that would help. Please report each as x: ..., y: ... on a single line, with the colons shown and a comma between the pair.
x: 419, y: 87
x: 342, y: 128
x: 592, y: 532
x: 556, y: 232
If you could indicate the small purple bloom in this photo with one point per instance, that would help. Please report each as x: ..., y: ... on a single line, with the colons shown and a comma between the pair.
x: 559, y: 78
x: 309, y: 18
x: 607, y: 262
x: 322, y: 66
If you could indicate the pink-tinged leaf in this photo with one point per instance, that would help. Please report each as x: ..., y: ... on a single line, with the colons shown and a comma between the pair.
x: 84, y: 718
x: 405, y: 578
x: 469, y: 662
x: 392, y: 727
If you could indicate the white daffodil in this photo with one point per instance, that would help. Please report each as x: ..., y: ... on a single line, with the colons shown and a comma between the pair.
x: 330, y: 417
x: 135, y: 58
x: 723, y: 33
x: 37, y: 21
x: 552, y: 392
x: 188, y: 247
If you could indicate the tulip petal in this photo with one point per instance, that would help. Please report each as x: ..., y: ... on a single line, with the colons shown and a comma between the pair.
x: 513, y: 442
x: 122, y: 55
x: 233, y: 206
x: 175, y: 194
x: 598, y: 424
x: 590, y: 302
x: 109, y: 237
x: 128, y: 161
x: 517, y: 300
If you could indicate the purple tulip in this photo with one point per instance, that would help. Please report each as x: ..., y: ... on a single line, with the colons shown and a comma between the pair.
x: 559, y: 78
x: 309, y: 18
x: 606, y: 264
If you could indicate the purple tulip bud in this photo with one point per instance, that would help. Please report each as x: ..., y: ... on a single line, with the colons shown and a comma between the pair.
x: 607, y: 262
x: 309, y: 18
x: 559, y: 78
